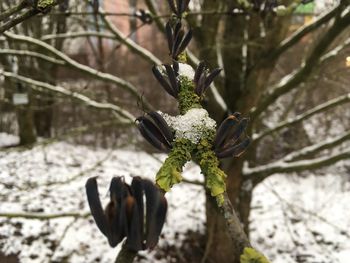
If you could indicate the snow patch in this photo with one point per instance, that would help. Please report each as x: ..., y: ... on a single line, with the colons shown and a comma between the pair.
x: 192, y: 126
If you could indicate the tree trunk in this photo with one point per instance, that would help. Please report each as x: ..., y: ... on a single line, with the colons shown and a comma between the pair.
x: 219, y: 245
x: 25, y: 125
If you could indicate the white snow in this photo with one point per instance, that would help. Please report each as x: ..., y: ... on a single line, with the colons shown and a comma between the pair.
x: 186, y: 71
x: 8, y: 139
x: 292, y: 217
x: 192, y: 125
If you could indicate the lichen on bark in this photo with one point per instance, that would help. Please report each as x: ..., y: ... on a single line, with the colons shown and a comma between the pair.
x: 187, y: 98
x: 43, y: 4
x: 170, y: 172
x: 250, y: 255
x: 209, y: 164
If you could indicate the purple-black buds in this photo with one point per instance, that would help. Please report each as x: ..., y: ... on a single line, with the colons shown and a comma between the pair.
x: 156, y: 131
x: 177, y: 39
x: 226, y: 142
x: 170, y: 83
x: 179, y: 8
x: 124, y: 214
x: 201, y: 80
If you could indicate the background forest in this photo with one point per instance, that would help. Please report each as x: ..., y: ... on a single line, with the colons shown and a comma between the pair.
x: 74, y: 77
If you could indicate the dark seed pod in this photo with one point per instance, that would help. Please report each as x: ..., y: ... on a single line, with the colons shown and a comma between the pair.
x: 229, y: 132
x: 223, y: 131
x: 167, y: 87
x: 115, y: 211
x: 155, y: 130
x: 156, y: 207
x: 152, y: 134
x: 163, y: 126
x: 96, y: 209
x: 199, y: 72
x: 236, y: 132
x: 234, y: 150
x: 177, y: 39
x: 172, y: 78
x: 201, y: 81
x: 180, y: 8
x: 184, y: 43
x: 210, y: 78
x: 124, y: 214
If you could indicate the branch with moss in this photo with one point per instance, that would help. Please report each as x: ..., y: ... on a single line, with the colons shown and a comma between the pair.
x: 304, y: 116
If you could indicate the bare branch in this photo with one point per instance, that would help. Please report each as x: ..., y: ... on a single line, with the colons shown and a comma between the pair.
x: 152, y: 6
x: 335, y: 51
x: 13, y: 22
x: 13, y: 10
x: 43, y: 216
x: 292, y: 80
x: 72, y: 35
x: 301, y: 117
x: 259, y: 173
x: 302, y: 31
x: 32, y: 54
x: 133, y: 47
x: 316, y: 148
x: 83, y: 68
x: 127, y: 116
x: 234, y: 227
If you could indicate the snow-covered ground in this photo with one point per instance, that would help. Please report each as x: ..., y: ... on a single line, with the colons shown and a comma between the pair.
x: 294, y: 219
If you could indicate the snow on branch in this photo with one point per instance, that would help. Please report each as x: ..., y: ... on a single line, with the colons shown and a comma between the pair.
x: 133, y: 47
x: 127, y: 86
x: 293, y: 80
x: 335, y: 51
x: 259, y: 173
x: 12, y: 10
x: 19, y: 19
x: 32, y: 54
x: 318, y: 109
x: 35, y: 7
x: 77, y: 35
x: 316, y: 148
x: 304, y: 30
x: 127, y: 116
x: 43, y: 216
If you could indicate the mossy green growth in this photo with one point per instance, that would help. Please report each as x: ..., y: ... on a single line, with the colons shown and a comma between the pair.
x: 182, y: 58
x: 43, y: 4
x: 209, y: 164
x: 170, y: 172
x: 250, y: 255
x: 187, y: 98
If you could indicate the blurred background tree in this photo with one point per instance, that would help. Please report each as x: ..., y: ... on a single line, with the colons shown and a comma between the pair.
x: 284, y: 66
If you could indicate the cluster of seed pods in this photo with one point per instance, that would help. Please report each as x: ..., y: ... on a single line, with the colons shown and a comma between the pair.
x: 228, y: 141
x: 127, y: 214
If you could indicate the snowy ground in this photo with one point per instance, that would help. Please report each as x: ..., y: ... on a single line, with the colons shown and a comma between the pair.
x: 293, y: 219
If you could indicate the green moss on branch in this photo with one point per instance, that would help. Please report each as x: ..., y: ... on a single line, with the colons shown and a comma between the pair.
x: 187, y: 98
x: 170, y: 172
